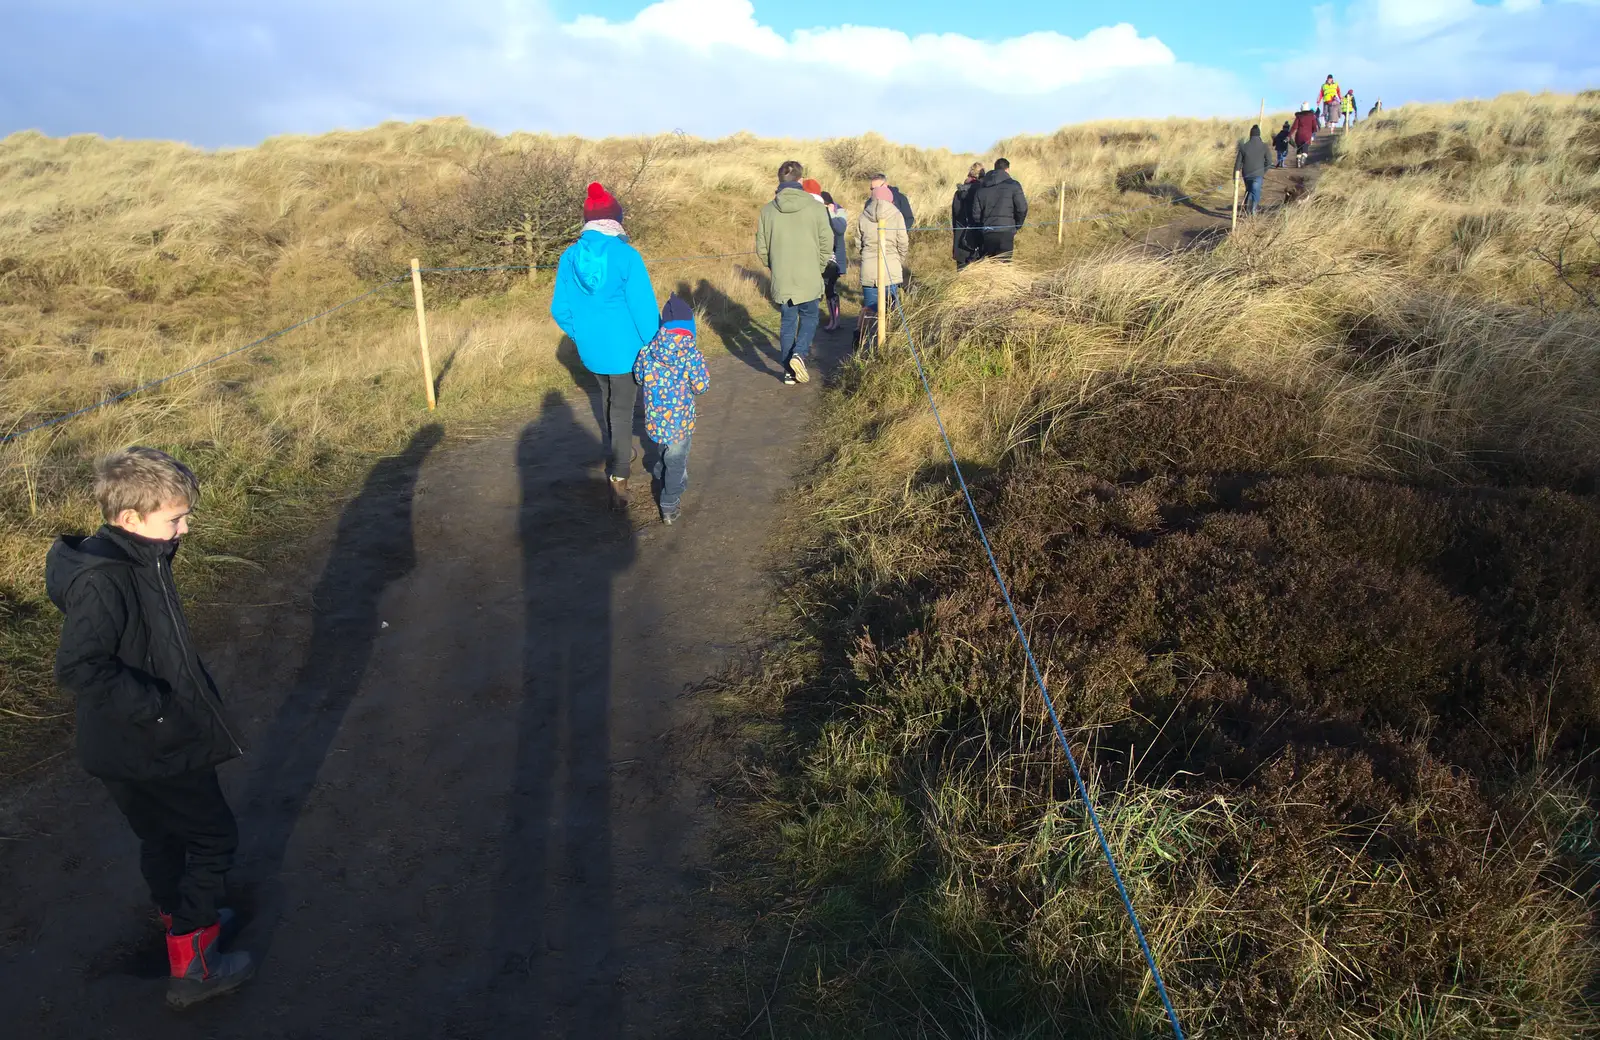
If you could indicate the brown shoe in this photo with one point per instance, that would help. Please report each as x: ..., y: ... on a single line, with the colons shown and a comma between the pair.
x: 619, y: 492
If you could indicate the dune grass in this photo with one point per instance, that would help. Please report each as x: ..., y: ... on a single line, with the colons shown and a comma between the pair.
x: 1301, y: 531
x: 123, y: 261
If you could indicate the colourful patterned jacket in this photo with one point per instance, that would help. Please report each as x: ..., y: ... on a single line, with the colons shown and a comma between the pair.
x: 672, y: 371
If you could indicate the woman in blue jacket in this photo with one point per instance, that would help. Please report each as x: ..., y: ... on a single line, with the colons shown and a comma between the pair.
x: 604, y: 301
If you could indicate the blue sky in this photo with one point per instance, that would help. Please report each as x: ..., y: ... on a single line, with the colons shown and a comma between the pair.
x: 931, y: 72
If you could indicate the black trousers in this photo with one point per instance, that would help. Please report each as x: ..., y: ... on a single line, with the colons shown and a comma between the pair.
x: 618, y: 394
x: 998, y: 244
x: 187, y: 838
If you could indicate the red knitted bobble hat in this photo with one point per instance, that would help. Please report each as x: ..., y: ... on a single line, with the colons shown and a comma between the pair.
x: 599, y: 204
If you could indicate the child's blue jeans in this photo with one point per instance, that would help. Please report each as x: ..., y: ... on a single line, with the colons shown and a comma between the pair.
x: 672, y: 469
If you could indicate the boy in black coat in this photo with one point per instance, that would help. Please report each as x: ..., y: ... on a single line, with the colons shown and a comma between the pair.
x: 1280, y: 144
x: 150, y: 723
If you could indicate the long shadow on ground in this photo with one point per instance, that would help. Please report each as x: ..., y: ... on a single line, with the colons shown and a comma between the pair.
x: 732, y: 323
x: 372, y: 550
x: 554, y: 916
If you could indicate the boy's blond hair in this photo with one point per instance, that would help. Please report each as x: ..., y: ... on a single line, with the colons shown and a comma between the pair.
x: 143, y: 480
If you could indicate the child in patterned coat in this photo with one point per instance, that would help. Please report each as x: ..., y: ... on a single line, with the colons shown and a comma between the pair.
x: 672, y: 372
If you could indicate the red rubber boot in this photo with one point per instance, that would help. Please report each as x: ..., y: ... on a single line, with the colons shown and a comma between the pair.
x: 200, y: 970
x: 225, y: 918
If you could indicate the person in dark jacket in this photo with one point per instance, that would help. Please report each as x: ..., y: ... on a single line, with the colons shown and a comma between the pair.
x: 840, y: 222
x: 901, y: 203
x: 1280, y: 144
x: 966, y: 243
x: 1000, y: 208
x: 1305, y: 132
x: 1250, y: 162
x: 150, y: 722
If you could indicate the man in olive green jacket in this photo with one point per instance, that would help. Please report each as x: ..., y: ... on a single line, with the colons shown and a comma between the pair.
x: 795, y: 240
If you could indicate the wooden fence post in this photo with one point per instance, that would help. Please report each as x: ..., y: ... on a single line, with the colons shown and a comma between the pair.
x: 1061, y: 214
x: 1261, y: 121
x: 1234, y: 226
x: 883, y: 288
x: 527, y: 241
x: 422, y: 332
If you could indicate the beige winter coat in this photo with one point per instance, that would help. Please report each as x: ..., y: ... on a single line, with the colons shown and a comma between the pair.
x: 895, y: 239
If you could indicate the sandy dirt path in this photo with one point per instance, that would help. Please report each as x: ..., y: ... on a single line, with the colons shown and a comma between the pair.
x: 476, y: 800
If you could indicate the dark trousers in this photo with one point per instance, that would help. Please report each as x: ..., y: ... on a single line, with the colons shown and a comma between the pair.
x: 617, y: 395
x: 187, y: 838
x: 967, y: 247
x: 998, y: 244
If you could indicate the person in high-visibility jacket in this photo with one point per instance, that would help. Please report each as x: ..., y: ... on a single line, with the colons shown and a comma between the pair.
x: 1347, y: 108
x: 1330, y: 101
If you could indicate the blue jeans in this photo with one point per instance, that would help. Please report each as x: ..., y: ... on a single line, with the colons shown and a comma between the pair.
x: 1283, y: 155
x: 1252, y: 193
x: 869, y: 295
x: 796, y: 326
x: 672, y: 469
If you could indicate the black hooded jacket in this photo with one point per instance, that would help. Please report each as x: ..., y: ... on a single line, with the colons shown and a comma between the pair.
x: 901, y: 203
x: 998, y: 202
x: 146, y: 707
x: 961, y: 219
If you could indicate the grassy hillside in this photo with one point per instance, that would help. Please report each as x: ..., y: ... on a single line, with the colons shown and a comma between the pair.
x: 122, y: 261
x: 1303, y: 532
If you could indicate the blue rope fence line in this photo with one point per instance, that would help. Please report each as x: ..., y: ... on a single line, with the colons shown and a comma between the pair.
x: 552, y: 267
x: 1077, y: 220
x: 920, y: 227
x: 1044, y: 692
x: 17, y: 435
x: 8, y: 438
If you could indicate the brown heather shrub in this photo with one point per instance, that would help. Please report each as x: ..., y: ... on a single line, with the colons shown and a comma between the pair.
x: 1311, y: 565
x: 1331, y: 720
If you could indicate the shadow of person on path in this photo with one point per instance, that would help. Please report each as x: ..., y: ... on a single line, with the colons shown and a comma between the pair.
x: 732, y: 323
x: 372, y: 550
x: 554, y: 909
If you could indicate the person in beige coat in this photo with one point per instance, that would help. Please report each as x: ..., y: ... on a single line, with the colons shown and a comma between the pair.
x: 897, y: 246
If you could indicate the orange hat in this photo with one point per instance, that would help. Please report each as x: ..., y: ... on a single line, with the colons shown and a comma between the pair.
x: 812, y: 186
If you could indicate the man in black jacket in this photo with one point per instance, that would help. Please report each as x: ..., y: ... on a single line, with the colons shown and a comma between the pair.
x: 999, y: 207
x: 901, y: 203
x: 150, y: 723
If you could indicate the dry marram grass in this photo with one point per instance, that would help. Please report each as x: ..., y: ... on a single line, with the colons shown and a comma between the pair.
x: 1303, y: 530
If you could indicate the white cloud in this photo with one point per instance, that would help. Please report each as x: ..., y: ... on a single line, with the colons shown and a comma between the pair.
x: 233, y: 71
x: 1029, y: 64
x: 1437, y: 50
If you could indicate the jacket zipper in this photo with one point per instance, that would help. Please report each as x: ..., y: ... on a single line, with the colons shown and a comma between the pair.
x: 169, y: 594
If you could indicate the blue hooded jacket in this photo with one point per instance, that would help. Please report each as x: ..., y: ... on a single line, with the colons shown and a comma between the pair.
x: 604, y: 301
